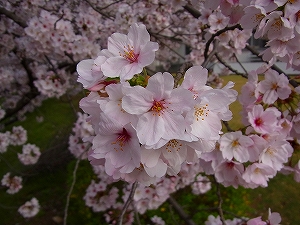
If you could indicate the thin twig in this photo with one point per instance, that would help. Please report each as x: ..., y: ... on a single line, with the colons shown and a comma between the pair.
x: 13, y: 169
x: 71, y: 189
x: 218, y: 33
x: 137, y: 218
x: 229, y: 129
x: 99, y: 11
x: 220, y: 210
x: 127, y: 203
x: 211, y: 54
x: 274, y: 67
x: 180, y: 211
x: 241, y: 65
x: 229, y: 67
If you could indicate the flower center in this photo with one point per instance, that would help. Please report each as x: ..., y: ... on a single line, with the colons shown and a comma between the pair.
x: 173, y: 144
x: 201, y: 112
x: 274, y: 86
x: 157, y: 107
x: 235, y: 143
x: 129, y: 54
x: 257, y: 171
x: 277, y: 24
x: 122, y: 139
x: 258, y: 17
x: 230, y: 165
x: 258, y: 121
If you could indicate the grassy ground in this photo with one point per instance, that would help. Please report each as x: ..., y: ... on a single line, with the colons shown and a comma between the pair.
x: 50, y: 180
x: 46, y: 180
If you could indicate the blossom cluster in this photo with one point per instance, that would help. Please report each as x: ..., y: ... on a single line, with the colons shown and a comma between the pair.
x: 148, y: 128
x: 270, y: 112
x: 108, y: 195
x: 278, y: 21
x: 79, y: 143
x: 18, y: 136
x: 143, y: 132
x: 273, y: 219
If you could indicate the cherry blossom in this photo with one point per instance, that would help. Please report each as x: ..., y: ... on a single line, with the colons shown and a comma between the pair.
x: 146, y: 130
x: 30, y: 208
x: 18, y: 135
x: 116, y: 143
x: 264, y: 121
x: 157, y: 220
x: 130, y: 53
x: 235, y: 145
x: 4, y: 141
x: 14, y: 184
x: 274, y: 86
x: 159, y: 107
x: 258, y: 174
x: 30, y: 154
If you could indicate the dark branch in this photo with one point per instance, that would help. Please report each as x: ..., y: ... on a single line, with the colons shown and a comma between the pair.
x: 127, y: 203
x: 180, y: 211
x: 13, y: 17
x: 274, y: 67
x: 218, y: 33
x: 229, y: 67
x: 194, y: 12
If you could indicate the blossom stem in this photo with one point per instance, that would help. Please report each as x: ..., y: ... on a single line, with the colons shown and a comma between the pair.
x: 127, y: 203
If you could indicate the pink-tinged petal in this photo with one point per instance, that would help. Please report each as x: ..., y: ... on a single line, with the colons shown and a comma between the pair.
x: 138, y: 34
x: 158, y: 170
x: 195, y: 78
x: 181, y: 100
x: 274, y: 218
x: 160, y: 85
x: 130, y: 70
x: 175, y: 152
x: 206, y: 128
x: 99, y: 142
x: 147, y: 53
x: 84, y: 68
x: 137, y: 100
x: 118, y: 157
x: 150, y: 128
x: 270, y: 97
x: 116, y: 43
x: 114, y: 66
x: 150, y: 157
x: 100, y: 60
x: 174, y: 125
x: 128, y: 168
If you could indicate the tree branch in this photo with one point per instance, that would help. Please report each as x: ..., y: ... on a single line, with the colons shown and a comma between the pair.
x: 13, y: 17
x: 70, y: 191
x: 180, y: 211
x: 274, y: 67
x: 194, y: 12
x: 229, y: 67
x: 127, y: 203
x: 220, y: 210
x: 217, y: 34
